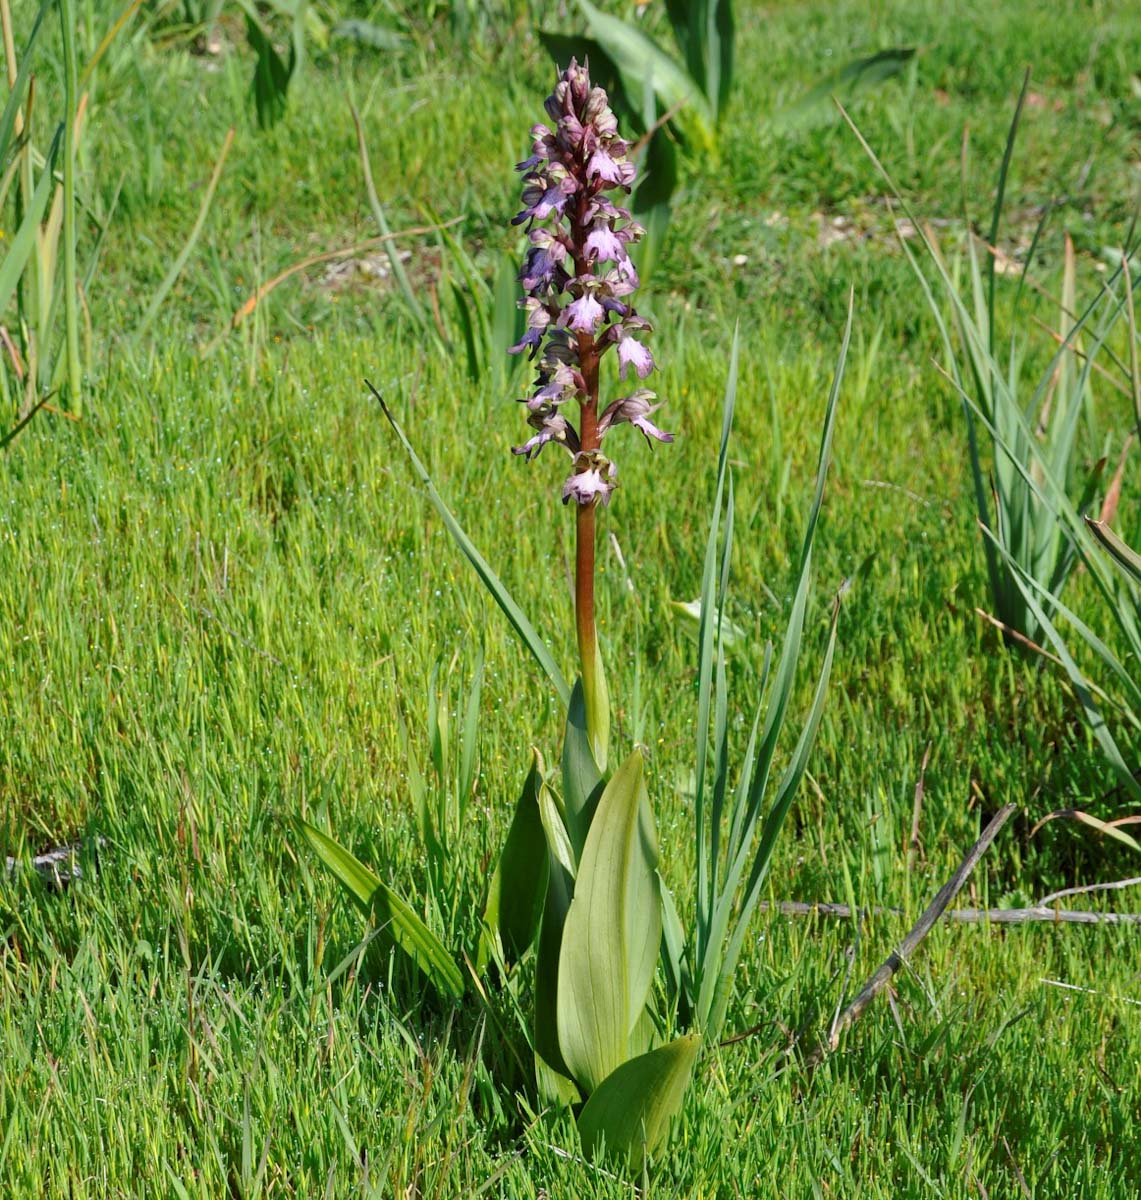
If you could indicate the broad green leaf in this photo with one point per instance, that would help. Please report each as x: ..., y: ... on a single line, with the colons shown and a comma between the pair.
x: 613, y: 931
x: 637, y: 56
x: 704, y: 30
x: 630, y: 1112
x: 271, y: 75
x: 554, y: 1087
x: 562, y: 867
x: 519, y: 883
x: 673, y: 950
x: 375, y: 898
x: 560, y: 889
x: 528, y: 634
x: 562, y: 47
x: 657, y: 182
x: 582, y: 780
x: 596, y: 703
x: 559, y: 844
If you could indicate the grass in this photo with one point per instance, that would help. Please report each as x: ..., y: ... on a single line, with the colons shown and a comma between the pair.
x: 222, y: 596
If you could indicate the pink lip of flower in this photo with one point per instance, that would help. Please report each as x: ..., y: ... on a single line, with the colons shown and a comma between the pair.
x: 585, y: 314
x: 603, y: 244
x: 632, y: 353
x: 605, y: 168
x: 592, y: 480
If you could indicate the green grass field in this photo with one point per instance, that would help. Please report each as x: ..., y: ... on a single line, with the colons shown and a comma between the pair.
x: 222, y: 594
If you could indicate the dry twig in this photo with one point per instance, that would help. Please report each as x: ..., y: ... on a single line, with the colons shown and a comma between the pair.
x: 908, y: 946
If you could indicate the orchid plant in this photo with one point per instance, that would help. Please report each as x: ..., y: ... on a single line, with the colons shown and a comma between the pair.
x: 577, y: 892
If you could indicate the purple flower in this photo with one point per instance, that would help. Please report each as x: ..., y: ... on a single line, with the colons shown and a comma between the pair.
x: 636, y: 409
x: 632, y: 353
x: 539, y: 268
x: 597, y: 111
x: 552, y: 427
x: 585, y: 314
x: 609, y: 170
x: 558, y: 382
x: 560, y: 347
x: 591, y: 481
x: 546, y: 192
x: 531, y: 341
x: 621, y: 283
x: 578, y: 274
x: 603, y: 244
x: 538, y: 318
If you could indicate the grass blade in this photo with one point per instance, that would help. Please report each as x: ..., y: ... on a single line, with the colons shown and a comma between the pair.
x: 171, y: 277
x: 518, y: 619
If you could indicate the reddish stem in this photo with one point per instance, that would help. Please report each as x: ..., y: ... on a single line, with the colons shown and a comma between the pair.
x: 589, y: 440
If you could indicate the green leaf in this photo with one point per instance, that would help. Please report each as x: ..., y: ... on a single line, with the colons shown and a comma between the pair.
x: 582, y: 780
x: 717, y: 953
x: 528, y: 634
x: 506, y: 317
x: 709, y: 620
x: 774, y: 822
x: 24, y: 240
x: 560, y: 889
x: 637, y: 57
x: 673, y: 952
x: 704, y: 30
x: 613, y: 931
x: 375, y: 898
x: 653, y: 197
x: 271, y: 75
x: 519, y: 883
x: 559, y: 845
x: 1123, y: 554
x: 463, y: 304
x: 553, y: 1086
x: 16, y: 95
x: 562, y: 47
x: 630, y: 1111
x: 846, y: 83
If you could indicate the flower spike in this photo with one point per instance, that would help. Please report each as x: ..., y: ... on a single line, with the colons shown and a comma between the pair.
x: 578, y: 277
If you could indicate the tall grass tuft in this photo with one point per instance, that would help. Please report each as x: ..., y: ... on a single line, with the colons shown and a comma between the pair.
x: 1016, y: 429
x: 39, y: 270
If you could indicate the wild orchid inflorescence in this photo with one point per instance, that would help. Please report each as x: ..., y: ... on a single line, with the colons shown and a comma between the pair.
x: 578, y: 276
